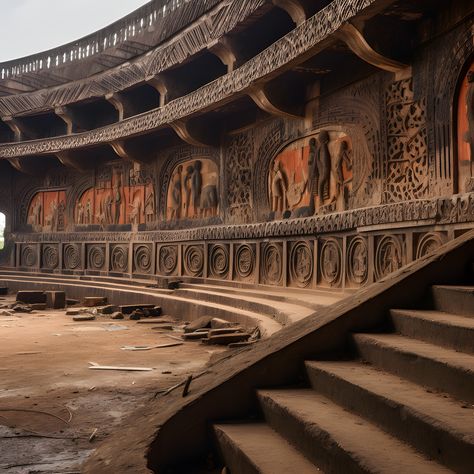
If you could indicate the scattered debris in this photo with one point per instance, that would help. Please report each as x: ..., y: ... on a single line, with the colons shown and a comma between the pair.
x: 155, y: 321
x: 217, y: 323
x: 27, y: 353
x: 115, y: 327
x: 6, y: 313
x: 148, y: 348
x: 199, y: 323
x: 55, y: 299
x: 187, y: 385
x: 95, y: 366
x: 31, y: 296
x: 91, y: 301
x: 72, y: 312
x: 238, y: 345
x: 83, y: 317
x: 71, y: 302
x: 225, y: 339
x: 196, y: 335
x: 117, y: 315
x: 218, y: 332
x: 93, y: 435
x: 130, y: 308
x: 38, y: 306
x: 109, y: 309
x: 136, y: 315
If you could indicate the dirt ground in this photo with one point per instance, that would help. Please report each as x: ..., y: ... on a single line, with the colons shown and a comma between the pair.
x: 51, y: 402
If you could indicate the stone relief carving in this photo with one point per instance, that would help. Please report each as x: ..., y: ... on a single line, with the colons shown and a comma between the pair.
x: 465, y: 132
x: 219, y: 261
x: 71, y: 257
x: 429, y: 243
x: 47, y: 211
x: 193, y: 190
x: 168, y: 259
x: 28, y: 256
x: 244, y: 261
x: 95, y: 257
x: 301, y: 264
x: 143, y: 258
x: 272, y: 263
x: 50, y: 257
x: 311, y: 176
x: 389, y: 255
x: 407, y: 160
x: 331, y: 261
x: 194, y: 260
x: 119, y: 258
x: 357, y: 261
x: 239, y: 179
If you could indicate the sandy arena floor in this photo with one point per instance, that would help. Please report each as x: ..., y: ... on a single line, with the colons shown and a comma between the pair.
x: 44, y: 366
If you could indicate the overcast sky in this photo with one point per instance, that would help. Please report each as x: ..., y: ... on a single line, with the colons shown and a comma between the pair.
x: 31, y: 26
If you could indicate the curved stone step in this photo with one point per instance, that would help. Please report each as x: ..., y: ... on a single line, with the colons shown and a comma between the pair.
x: 423, y: 363
x: 436, y: 327
x: 180, y: 307
x: 454, y: 299
x: 442, y: 428
x: 254, y: 448
x: 283, y: 312
x: 337, y: 440
x: 313, y: 299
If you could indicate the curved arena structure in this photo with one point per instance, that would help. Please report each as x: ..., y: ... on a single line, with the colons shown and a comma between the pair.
x: 253, y: 160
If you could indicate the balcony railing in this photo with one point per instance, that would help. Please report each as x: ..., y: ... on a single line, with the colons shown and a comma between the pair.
x: 143, y: 20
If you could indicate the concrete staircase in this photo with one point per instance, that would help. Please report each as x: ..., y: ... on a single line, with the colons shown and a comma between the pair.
x: 398, y: 400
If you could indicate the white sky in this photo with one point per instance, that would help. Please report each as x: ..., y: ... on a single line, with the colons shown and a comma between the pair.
x: 32, y: 26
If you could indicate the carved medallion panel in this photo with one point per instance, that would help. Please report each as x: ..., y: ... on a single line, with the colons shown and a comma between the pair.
x: 271, y: 265
x: 143, y: 258
x: 193, y: 260
x: 390, y: 255
x: 301, y: 263
x: 95, y: 257
x: 245, y: 261
x: 50, y: 256
x: 357, y: 261
x: 219, y: 261
x: 330, y: 262
x: 119, y: 258
x: 28, y: 256
x: 72, y: 257
x: 168, y: 260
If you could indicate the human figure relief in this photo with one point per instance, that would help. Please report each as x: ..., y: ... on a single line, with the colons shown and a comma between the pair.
x: 188, y: 189
x: 196, y: 188
x: 278, y: 188
x: 176, y: 197
x: 88, y: 212
x: 296, y: 189
x: 209, y: 198
x: 37, y: 211
x: 80, y: 213
x: 469, y: 136
x: 135, y: 207
x: 108, y: 201
x: 149, y: 202
x: 344, y: 159
x: 323, y: 167
x: 117, y: 201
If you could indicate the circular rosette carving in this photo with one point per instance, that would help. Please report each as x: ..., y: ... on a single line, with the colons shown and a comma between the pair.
x: 357, y: 260
x: 194, y: 260
x: 142, y: 259
x: 119, y: 259
x: 28, y: 256
x: 272, y: 264
x: 219, y: 261
x: 330, y: 261
x: 50, y: 257
x: 168, y: 259
x: 429, y: 243
x: 72, y: 256
x: 96, y: 258
x: 244, y: 260
x: 388, y: 256
x: 301, y: 264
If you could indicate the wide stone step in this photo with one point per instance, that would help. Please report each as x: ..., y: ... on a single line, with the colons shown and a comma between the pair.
x: 426, y: 364
x: 454, y: 299
x: 254, y: 448
x: 284, y: 313
x: 448, y: 330
x: 336, y: 440
x: 440, y: 427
